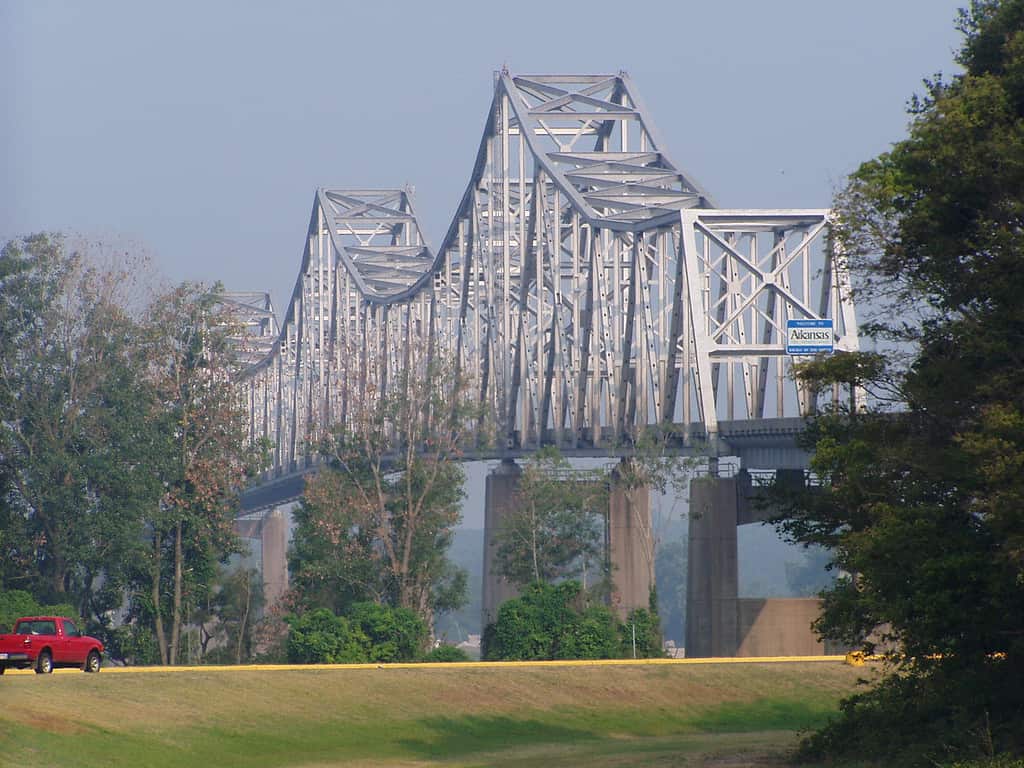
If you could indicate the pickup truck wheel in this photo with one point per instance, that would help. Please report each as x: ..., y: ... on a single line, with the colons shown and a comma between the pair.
x: 44, y: 664
x: 92, y: 662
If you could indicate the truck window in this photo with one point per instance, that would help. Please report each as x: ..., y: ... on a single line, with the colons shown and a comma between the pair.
x: 69, y: 629
x: 24, y: 628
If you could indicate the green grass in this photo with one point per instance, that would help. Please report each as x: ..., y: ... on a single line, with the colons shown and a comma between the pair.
x: 458, y: 716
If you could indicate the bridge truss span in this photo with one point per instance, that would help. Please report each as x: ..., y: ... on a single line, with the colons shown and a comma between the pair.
x: 586, y: 287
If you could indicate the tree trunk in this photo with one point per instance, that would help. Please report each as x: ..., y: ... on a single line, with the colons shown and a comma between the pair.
x: 245, y: 619
x: 176, y: 608
x: 533, y: 541
x: 158, y: 621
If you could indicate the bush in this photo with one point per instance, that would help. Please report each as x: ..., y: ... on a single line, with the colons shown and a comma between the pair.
x: 648, y: 635
x: 446, y: 653
x: 529, y: 627
x: 925, y: 718
x: 394, y: 634
x: 590, y: 635
x: 320, y: 637
x: 132, y: 643
x: 555, y: 622
x: 370, y: 633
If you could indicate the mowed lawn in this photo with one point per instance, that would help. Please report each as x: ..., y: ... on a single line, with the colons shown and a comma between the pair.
x: 457, y: 715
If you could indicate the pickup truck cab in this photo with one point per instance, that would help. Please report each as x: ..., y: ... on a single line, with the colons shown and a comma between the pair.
x: 46, y: 642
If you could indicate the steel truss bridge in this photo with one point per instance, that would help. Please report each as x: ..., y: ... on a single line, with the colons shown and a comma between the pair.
x: 587, y: 286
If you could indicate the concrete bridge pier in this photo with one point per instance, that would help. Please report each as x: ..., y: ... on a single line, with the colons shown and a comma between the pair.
x: 271, y: 528
x: 500, y: 490
x: 712, y: 578
x: 630, y: 547
x: 718, y: 621
x: 274, y: 538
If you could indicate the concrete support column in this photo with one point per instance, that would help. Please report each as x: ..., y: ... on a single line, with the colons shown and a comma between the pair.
x: 712, y: 582
x: 274, y: 540
x: 630, y: 547
x: 501, y: 487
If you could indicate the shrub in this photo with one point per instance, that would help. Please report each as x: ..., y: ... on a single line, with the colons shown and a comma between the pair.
x: 394, y: 634
x: 320, y: 637
x: 590, y: 635
x: 445, y: 653
x: 369, y: 633
x: 555, y: 622
x: 648, y: 635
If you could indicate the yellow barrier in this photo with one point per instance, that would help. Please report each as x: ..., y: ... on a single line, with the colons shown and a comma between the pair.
x: 461, y: 665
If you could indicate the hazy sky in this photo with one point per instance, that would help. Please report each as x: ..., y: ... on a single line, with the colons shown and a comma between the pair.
x: 200, y: 130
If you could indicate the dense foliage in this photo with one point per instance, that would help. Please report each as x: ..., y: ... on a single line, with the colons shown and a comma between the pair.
x: 122, y: 444
x: 922, y: 494
x: 369, y: 633
x: 446, y: 654
x: 559, y: 621
x: 16, y: 603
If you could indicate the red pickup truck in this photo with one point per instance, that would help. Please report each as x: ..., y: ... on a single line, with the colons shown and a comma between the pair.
x: 45, y: 642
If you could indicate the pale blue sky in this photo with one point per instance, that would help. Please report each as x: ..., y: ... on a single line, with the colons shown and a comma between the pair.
x: 200, y: 130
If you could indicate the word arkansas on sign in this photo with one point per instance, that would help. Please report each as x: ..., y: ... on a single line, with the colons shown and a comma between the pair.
x: 808, y: 337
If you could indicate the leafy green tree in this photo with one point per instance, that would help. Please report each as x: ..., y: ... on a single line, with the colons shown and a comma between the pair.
x: 555, y: 530
x: 376, y: 522
x: 200, y: 454
x: 552, y: 621
x: 72, y: 485
x: 229, y: 616
x: 921, y: 498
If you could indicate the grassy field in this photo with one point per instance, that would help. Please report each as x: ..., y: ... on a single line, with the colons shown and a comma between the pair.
x: 725, y: 715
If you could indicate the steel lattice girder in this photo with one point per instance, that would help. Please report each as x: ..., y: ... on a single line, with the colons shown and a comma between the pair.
x: 586, y: 285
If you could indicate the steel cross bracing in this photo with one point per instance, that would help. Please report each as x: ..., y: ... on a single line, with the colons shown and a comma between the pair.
x: 586, y: 286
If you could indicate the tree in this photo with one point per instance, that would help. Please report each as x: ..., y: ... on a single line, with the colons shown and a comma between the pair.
x: 554, y: 531
x: 200, y: 452
x: 921, y: 496
x: 376, y: 521
x: 229, y: 616
x: 70, y: 483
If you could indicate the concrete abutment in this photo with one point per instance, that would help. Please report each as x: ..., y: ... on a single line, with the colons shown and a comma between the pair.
x: 718, y: 621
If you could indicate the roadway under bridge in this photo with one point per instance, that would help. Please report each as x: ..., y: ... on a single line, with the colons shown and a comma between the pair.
x: 588, y: 289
